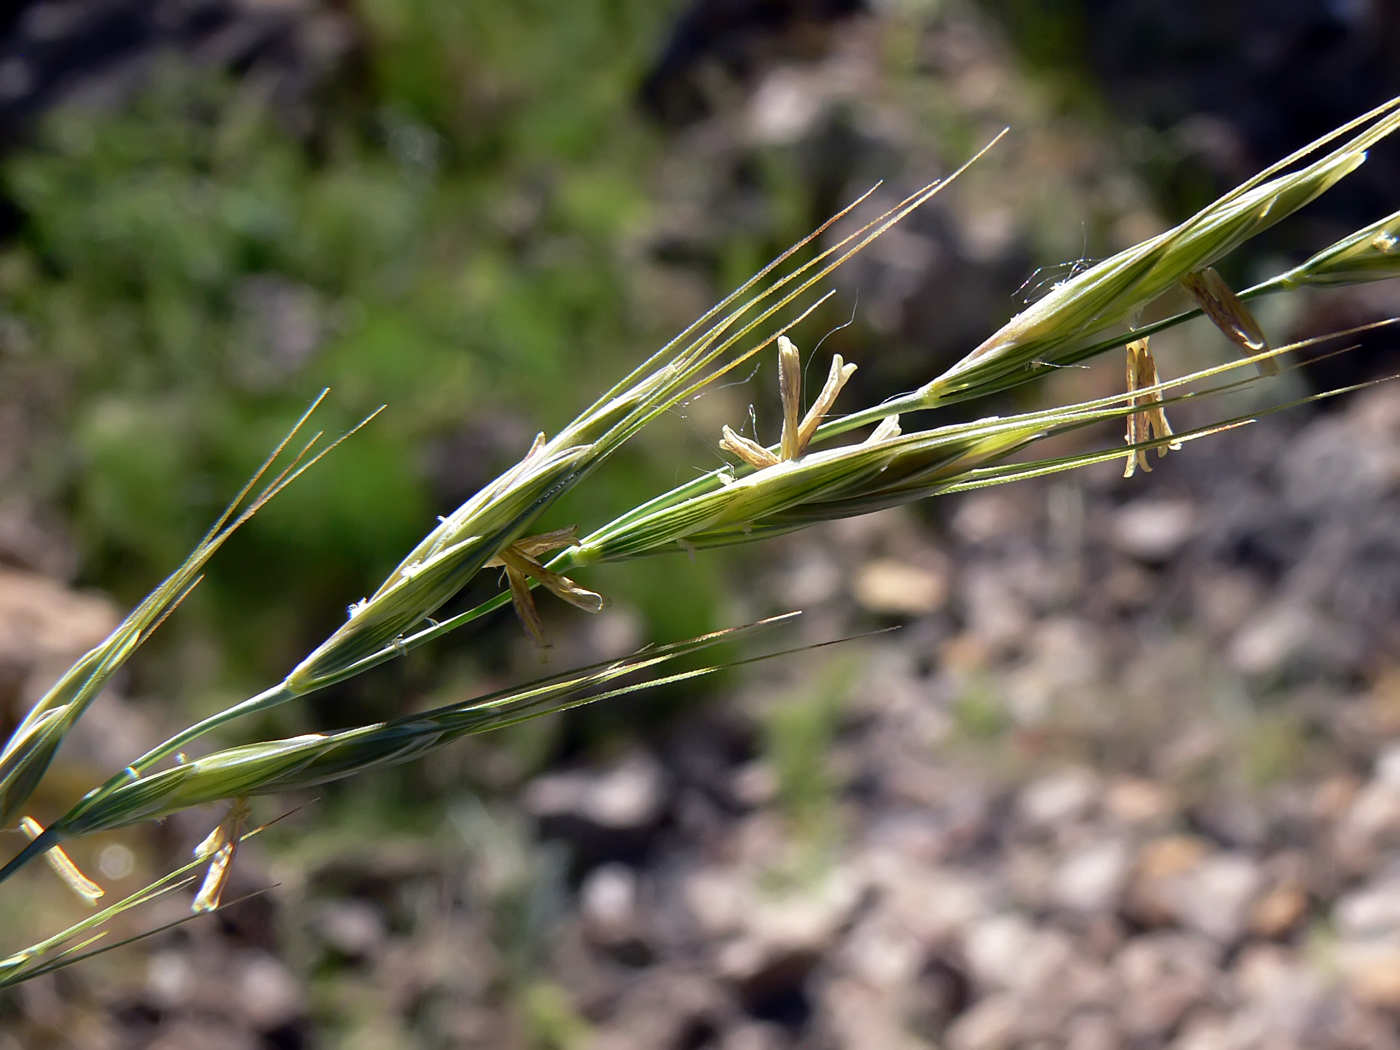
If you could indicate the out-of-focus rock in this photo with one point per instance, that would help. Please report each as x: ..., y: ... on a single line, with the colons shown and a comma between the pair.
x: 1091, y: 878
x: 609, y: 909
x: 1371, y: 970
x: 267, y: 994
x: 781, y: 938
x: 1370, y: 912
x: 899, y: 588
x: 1006, y: 951
x: 1060, y: 798
x: 668, y: 1009
x: 1178, y: 880
x: 754, y: 784
x: 1162, y: 976
x: 1215, y: 896
x: 1371, y: 822
x: 1286, y: 1002
x: 1277, y: 912
x: 1291, y: 637
x: 44, y: 627
x: 1064, y: 658
x: 993, y: 610
x: 1159, y: 863
x: 1152, y: 530
x: 201, y: 1035
x: 606, y: 815
x: 862, y: 1017
x: 934, y: 905
x: 354, y: 928
x: 990, y: 1025
x: 756, y: 1036
x: 1137, y: 802
x: 1093, y: 1031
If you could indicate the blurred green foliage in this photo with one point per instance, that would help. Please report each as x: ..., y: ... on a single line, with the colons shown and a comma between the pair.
x: 450, y: 241
x: 798, y: 735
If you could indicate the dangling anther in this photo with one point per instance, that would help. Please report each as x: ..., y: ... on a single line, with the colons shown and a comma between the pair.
x: 1148, y: 421
x: 1228, y: 313
x: 219, y: 848
x: 63, y: 865
x: 520, y: 560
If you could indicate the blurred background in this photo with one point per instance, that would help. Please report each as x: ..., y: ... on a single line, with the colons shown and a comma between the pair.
x: 1123, y: 778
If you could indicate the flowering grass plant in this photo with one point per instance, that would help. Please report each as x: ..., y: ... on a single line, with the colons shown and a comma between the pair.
x: 803, y: 477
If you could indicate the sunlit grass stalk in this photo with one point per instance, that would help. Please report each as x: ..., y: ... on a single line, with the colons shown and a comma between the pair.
x: 274, y: 766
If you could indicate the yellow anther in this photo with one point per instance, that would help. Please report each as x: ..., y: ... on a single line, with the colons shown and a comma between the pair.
x: 1228, y: 313
x: 220, y: 847
x: 1149, y: 420
x: 519, y: 559
x: 63, y: 865
x: 797, y: 428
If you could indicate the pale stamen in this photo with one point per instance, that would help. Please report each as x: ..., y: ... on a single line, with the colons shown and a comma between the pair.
x: 1228, y: 313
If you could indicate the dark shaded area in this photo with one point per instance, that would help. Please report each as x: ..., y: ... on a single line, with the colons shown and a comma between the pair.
x: 100, y: 51
x: 732, y: 38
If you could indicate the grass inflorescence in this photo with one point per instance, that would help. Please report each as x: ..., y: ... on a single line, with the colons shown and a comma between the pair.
x: 806, y: 476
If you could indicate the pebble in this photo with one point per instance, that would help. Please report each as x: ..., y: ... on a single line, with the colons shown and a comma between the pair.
x: 1092, y: 878
x: 1152, y: 530
x: 606, y: 814
x: 899, y: 588
x: 355, y: 928
x: 990, y: 1025
x: 1060, y: 798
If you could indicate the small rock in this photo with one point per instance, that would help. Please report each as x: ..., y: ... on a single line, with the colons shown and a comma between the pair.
x: 170, y: 980
x: 1216, y: 895
x: 1369, y: 824
x: 718, y: 899
x: 1091, y: 879
x: 1289, y: 637
x: 781, y: 938
x: 1371, y: 970
x: 756, y: 1036
x: 608, y: 907
x: 607, y: 815
x: 1153, y: 530
x: 268, y: 995
x: 1092, y: 1031
x: 1162, y: 976
x: 355, y: 928
x: 1135, y: 802
x: 862, y: 1017
x: 1209, y: 1032
x: 990, y: 1025
x: 898, y: 588
x: 1060, y: 798
x: 1006, y: 951
x: 666, y: 1009
x: 1370, y: 912
x: 1277, y: 912
x: 1179, y: 881
x: 993, y: 611
x: 754, y: 784
x: 934, y: 905
x: 1152, y: 895
x: 200, y: 1035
